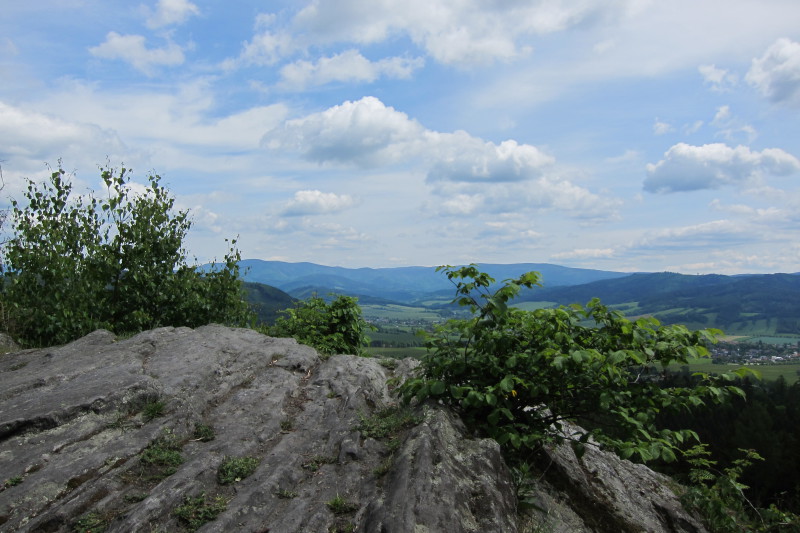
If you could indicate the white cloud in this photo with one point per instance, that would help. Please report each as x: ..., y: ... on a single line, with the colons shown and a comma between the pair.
x: 719, y: 79
x: 347, y: 66
x: 711, y: 166
x: 696, y: 236
x: 464, y: 33
x: 466, y: 173
x: 586, y: 253
x: 365, y: 133
x: 694, y: 127
x: 662, y: 128
x: 170, y: 12
x: 265, y: 49
x: 731, y: 128
x: 132, y: 49
x: 770, y: 216
x: 29, y: 138
x: 314, y: 202
x: 174, y: 118
x: 461, y: 157
x: 776, y: 74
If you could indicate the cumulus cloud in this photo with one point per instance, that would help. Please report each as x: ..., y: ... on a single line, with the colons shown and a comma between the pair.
x: 314, y: 202
x: 347, y: 66
x: 467, y: 174
x: 365, y: 133
x: 461, y: 157
x: 776, y: 74
x: 711, y: 166
x: 168, y: 12
x: 132, y: 49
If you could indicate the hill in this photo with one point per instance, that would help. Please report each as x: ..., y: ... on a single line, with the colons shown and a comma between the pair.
x: 267, y: 301
x: 763, y: 303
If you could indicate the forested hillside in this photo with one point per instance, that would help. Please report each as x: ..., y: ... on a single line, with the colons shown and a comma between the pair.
x: 736, y: 304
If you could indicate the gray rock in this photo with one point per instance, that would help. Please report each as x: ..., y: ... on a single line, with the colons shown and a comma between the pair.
x: 78, y: 424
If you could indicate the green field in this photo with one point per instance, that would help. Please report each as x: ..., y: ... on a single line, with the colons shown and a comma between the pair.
x: 397, y: 353
x: 399, y: 312
x: 774, y: 339
x: 533, y: 306
x: 767, y: 372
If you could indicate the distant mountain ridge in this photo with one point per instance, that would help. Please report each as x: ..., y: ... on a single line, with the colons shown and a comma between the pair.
x: 400, y: 284
x: 741, y: 304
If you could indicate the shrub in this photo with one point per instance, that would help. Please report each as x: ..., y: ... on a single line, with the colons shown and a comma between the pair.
x: 335, y: 328
x: 75, y: 263
x: 518, y: 376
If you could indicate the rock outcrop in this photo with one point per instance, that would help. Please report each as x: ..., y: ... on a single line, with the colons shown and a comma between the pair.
x: 226, y: 429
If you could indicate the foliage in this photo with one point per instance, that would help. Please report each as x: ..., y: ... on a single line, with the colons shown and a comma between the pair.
x: 720, y: 498
x: 153, y: 409
x: 768, y: 421
x: 316, y: 462
x: 200, y: 510
x: 387, y: 422
x: 335, y: 328
x: 162, y: 457
x: 235, y: 469
x: 339, y: 505
x: 520, y: 376
x: 75, y: 263
x: 91, y: 522
x: 204, y: 433
x: 12, y: 481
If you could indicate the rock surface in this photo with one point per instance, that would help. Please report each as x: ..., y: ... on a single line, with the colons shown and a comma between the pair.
x: 117, y: 434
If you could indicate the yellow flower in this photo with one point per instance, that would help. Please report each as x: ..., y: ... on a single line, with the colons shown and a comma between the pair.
x: 513, y: 393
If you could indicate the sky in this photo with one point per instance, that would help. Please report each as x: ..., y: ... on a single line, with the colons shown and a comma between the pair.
x: 626, y: 135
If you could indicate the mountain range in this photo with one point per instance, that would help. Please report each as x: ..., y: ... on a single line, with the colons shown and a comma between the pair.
x: 741, y: 304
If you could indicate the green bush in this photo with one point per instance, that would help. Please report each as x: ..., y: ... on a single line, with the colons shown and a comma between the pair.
x: 518, y: 376
x: 335, y: 328
x: 75, y: 263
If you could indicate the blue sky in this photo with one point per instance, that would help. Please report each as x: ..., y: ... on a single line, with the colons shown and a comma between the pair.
x: 629, y: 135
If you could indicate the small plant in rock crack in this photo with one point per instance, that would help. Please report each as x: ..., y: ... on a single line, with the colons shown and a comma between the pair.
x: 387, y: 422
x: 235, y: 469
x: 286, y: 494
x: 389, y: 363
x: 317, y: 461
x: 135, y: 497
x: 199, y: 510
x: 12, y: 481
x: 153, y: 409
x: 163, y: 455
x: 339, y: 506
x: 91, y: 522
x: 383, y: 468
x: 203, y: 433
x: 287, y: 424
